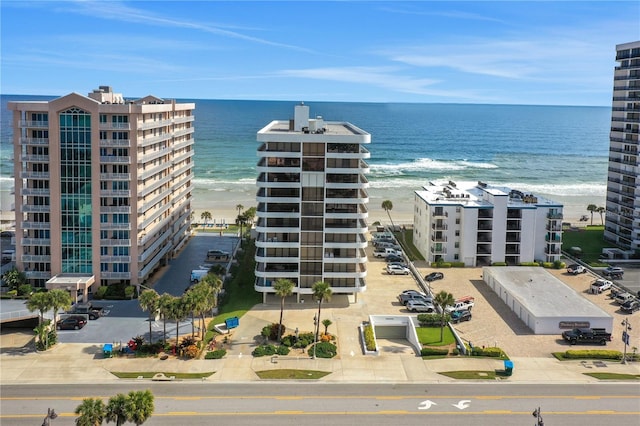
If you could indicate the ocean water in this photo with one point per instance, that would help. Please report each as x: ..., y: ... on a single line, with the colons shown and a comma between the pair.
x: 560, y: 152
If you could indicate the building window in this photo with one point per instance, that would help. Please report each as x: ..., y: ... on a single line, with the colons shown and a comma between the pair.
x: 457, y: 233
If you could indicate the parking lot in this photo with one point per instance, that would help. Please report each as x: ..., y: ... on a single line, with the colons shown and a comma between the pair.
x: 124, y: 319
x: 493, y: 323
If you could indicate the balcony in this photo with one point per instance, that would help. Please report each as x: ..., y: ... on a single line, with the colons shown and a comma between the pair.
x: 554, y: 216
x: 36, y: 225
x: 35, y: 258
x: 34, y: 124
x: 35, y: 242
x: 34, y: 141
x: 115, y: 126
x: 111, y: 159
x: 30, y: 208
x: 115, y: 143
x: 439, y: 226
x: 35, y: 191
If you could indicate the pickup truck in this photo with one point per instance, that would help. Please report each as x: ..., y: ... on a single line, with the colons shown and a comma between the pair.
x: 93, y: 312
x: 386, y: 252
x: 462, y: 304
x: 587, y: 335
x: 576, y: 269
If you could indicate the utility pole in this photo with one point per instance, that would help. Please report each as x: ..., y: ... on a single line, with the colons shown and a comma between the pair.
x: 625, y: 338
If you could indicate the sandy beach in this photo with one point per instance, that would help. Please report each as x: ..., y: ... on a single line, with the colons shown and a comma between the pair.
x: 222, y: 206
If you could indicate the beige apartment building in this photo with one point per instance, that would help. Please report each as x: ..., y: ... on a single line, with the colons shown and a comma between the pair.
x: 102, y: 188
x: 312, y: 205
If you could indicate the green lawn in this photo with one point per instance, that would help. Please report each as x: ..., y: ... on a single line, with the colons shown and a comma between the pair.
x: 613, y: 376
x: 471, y: 374
x: 288, y: 374
x: 150, y: 374
x: 406, y: 241
x: 430, y: 336
x: 589, y: 239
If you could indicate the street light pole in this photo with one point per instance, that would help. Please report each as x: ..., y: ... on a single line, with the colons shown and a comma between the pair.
x: 315, y: 340
x: 625, y: 338
x: 51, y: 415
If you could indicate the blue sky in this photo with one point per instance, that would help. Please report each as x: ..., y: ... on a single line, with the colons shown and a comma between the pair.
x: 510, y: 52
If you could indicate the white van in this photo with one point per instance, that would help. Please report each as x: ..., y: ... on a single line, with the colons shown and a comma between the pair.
x: 198, y: 274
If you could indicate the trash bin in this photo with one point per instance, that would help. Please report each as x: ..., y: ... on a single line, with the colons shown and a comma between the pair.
x: 508, y: 368
x: 107, y: 350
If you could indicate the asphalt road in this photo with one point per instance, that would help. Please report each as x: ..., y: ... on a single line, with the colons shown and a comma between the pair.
x: 341, y: 404
x: 125, y: 319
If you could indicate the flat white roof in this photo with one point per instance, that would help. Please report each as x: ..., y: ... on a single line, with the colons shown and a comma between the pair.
x: 341, y: 128
x: 70, y: 279
x: 543, y: 294
x: 470, y: 194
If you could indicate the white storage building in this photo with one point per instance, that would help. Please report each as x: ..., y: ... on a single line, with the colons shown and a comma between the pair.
x: 543, y: 302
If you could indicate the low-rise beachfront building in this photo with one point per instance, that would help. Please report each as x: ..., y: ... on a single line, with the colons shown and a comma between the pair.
x: 622, y: 225
x: 312, y: 205
x: 102, y: 188
x: 481, y: 224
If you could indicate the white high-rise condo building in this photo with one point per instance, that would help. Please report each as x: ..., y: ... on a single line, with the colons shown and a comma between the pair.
x: 481, y: 224
x: 102, y: 188
x: 312, y: 205
x: 622, y: 225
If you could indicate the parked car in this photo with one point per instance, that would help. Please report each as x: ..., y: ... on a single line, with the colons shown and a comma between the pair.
x: 600, y: 285
x: 613, y: 271
x: 394, y: 269
x: 459, y: 316
x: 404, y: 298
x: 75, y: 322
x: 413, y: 292
x: 394, y: 258
x: 420, y: 306
x: 630, y: 306
x: 434, y: 276
x: 576, y: 269
x: 623, y: 298
x: 401, y: 264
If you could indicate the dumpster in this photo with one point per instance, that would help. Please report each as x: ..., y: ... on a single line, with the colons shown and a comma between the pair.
x: 107, y: 350
x: 508, y: 368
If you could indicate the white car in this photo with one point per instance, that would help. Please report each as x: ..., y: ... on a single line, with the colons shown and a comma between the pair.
x: 420, y: 306
x: 600, y: 285
x: 397, y: 270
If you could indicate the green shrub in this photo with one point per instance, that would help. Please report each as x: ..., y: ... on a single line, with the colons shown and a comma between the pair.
x: 593, y: 354
x: 499, y: 264
x: 457, y: 264
x: 271, y: 331
x: 25, y: 290
x: 434, y: 351
x: 129, y: 292
x: 547, y: 265
x: 304, y: 340
x: 264, y: 350
x: 432, y: 320
x: 100, y: 293
x: 288, y: 340
x: 282, y: 350
x: 324, y: 350
x: 220, y: 353
x: 558, y: 264
x: 12, y: 293
x: 369, y: 338
x: 490, y: 352
x: 529, y: 264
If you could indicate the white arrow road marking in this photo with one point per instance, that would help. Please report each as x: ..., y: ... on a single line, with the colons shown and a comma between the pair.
x: 425, y: 405
x: 465, y: 403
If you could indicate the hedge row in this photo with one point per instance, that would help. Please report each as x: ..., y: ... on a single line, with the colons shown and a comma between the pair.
x: 592, y: 354
x: 432, y: 320
x: 434, y: 351
x: 490, y: 352
x: 369, y: 339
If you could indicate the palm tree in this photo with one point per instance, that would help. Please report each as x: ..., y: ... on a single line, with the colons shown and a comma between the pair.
x: 443, y: 299
x: 202, y: 293
x: 601, y: 210
x: 326, y: 322
x: 41, y: 302
x: 149, y: 300
x: 239, y: 207
x: 206, y: 216
x: 179, y: 311
x: 116, y: 409
x: 592, y: 208
x: 90, y: 413
x: 190, y: 303
x: 164, y: 306
x: 216, y: 283
x: 283, y: 288
x: 387, y: 205
x: 14, y: 278
x: 139, y: 406
x: 321, y: 290
x: 60, y: 299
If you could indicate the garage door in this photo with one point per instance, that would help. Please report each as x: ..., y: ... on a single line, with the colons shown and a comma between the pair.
x: 391, y: 332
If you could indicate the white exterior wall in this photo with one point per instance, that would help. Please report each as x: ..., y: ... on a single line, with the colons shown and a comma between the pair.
x: 468, y: 235
x: 542, y: 302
